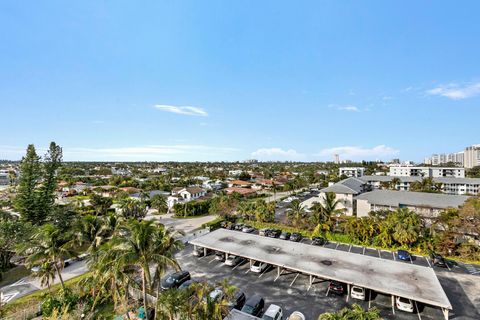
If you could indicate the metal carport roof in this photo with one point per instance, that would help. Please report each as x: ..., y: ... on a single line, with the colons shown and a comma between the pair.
x: 386, y: 276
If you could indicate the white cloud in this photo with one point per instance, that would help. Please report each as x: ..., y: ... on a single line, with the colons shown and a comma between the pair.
x: 277, y: 154
x: 359, y: 153
x: 189, y: 111
x: 348, y: 107
x: 455, y: 91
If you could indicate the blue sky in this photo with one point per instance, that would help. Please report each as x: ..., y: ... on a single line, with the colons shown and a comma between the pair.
x: 234, y: 80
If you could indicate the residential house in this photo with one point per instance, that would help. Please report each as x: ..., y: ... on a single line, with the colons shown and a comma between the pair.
x: 181, y: 195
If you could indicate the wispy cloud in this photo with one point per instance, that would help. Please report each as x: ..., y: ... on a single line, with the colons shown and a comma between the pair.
x: 347, y: 107
x: 277, y: 154
x: 188, y: 111
x: 456, y: 91
x: 358, y: 152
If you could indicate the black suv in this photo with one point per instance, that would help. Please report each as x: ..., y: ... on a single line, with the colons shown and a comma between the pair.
x: 296, y: 237
x: 174, y: 280
x: 238, y: 301
x: 317, y: 241
x: 274, y: 233
x: 254, y: 306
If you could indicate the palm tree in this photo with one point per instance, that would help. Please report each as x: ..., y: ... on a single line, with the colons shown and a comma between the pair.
x: 46, y: 274
x: 324, y: 212
x: 142, y: 244
x: 297, y: 213
x: 393, y: 184
x: 89, y: 231
x: 160, y: 203
x: 355, y: 312
x: 50, y: 245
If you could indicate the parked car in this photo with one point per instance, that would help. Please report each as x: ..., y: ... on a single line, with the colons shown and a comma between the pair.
x: 285, y: 235
x: 219, y: 256
x: 438, y: 260
x: 317, y: 241
x: 215, y: 295
x: 273, y: 312
x: 174, y: 280
x: 82, y: 256
x: 258, y: 267
x: 200, y: 252
x: 296, y: 237
x: 404, y: 255
x: 238, y: 301
x: 232, y: 260
x: 187, y: 284
x: 263, y: 232
x: 404, y: 304
x: 248, y: 229
x: 296, y: 315
x: 358, y: 293
x: 336, y: 287
x: 238, y: 227
x: 254, y: 306
x: 68, y: 262
x: 273, y: 233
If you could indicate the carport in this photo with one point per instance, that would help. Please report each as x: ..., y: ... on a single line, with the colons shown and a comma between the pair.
x: 420, y: 284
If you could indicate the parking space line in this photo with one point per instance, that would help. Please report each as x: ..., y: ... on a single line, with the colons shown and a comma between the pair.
x: 238, y: 264
x: 411, y: 261
x: 428, y: 262
x: 416, y: 309
x: 363, y: 251
x: 211, y: 260
x: 278, y: 275
x: 264, y: 271
x: 379, y: 255
x: 291, y: 284
x: 446, y: 263
x: 350, y: 248
x: 393, y: 254
x: 247, y: 271
x: 337, y: 245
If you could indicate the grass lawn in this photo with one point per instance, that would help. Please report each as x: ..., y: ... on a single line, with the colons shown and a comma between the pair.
x: 13, y: 275
x: 37, y: 297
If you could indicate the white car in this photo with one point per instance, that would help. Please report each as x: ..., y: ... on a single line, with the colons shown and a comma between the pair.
x: 258, y: 267
x: 232, y: 260
x: 288, y: 200
x: 404, y: 304
x: 358, y: 293
x: 296, y: 315
x: 215, y: 295
x: 273, y: 312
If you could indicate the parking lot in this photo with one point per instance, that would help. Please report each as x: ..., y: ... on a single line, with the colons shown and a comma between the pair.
x: 291, y: 290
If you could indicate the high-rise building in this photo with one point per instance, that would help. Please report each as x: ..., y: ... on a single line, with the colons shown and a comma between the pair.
x: 337, y: 158
x: 471, y: 156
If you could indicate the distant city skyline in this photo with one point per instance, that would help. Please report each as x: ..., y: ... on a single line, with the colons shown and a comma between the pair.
x: 212, y: 81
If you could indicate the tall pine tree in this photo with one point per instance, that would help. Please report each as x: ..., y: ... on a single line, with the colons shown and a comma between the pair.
x: 27, y: 191
x: 51, y: 164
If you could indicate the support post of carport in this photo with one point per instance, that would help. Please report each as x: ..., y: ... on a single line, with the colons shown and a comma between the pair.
x: 348, y: 291
x: 251, y: 262
x: 393, y: 304
x: 204, y: 252
x: 226, y: 256
x: 445, y: 313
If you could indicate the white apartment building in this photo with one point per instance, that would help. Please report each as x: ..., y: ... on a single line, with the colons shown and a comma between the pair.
x: 426, y: 172
x: 4, y: 180
x: 471, y: 156
x: 454, y: 186
x: 351, y: 171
